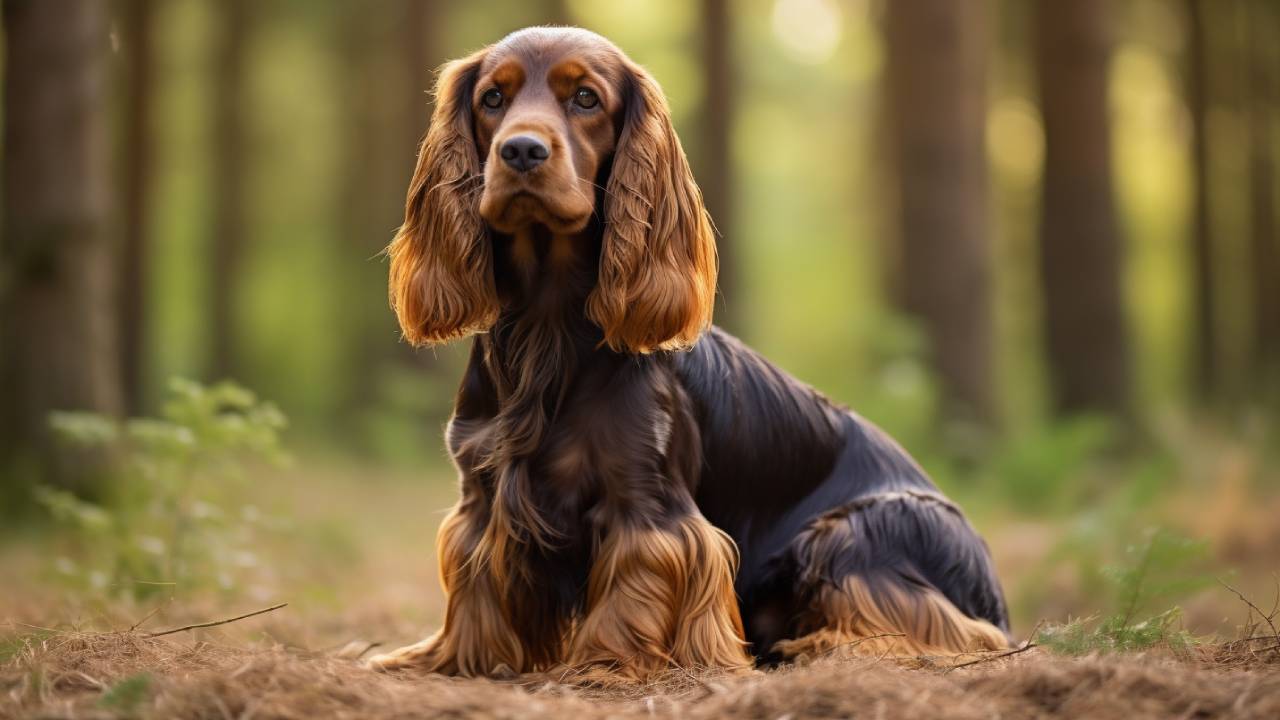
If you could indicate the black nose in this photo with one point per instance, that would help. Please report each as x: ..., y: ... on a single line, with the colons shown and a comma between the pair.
x: 524, y: 153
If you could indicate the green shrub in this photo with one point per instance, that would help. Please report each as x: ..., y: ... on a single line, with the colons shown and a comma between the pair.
x: 1048, y: 469
x: 1159, y: 570
x: 169, y: 518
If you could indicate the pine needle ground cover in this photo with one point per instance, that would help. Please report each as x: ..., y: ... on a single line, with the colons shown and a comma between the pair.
x: 209, y: 674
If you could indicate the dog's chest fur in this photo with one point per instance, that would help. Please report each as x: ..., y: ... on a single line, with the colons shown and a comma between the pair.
x: 541, y: 445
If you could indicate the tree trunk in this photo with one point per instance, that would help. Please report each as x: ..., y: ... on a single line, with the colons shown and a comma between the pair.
x: 1204, y: 338
x: 382, y: 124
x: 420, y: 60
x: 1263, y: 251
x: 1080, y: 253
x: 136, y: 49
x: 713, y: 156
x: 57, y: 322
x: 227, y: 242
x: 937, y: 95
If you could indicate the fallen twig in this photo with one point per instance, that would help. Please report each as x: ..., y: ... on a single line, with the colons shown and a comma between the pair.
x: 856, y: 643
x: 213, y: 623
x: 1265, y: 617
x: 151, y: 614
x: 1008, y: 653
x: 1030, y: 643
x: 353, y: 650
x: 859, y: 641
x: 1275, y: 602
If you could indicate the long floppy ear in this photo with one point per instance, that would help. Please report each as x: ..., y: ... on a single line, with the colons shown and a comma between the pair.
x: 441, y: 281
x: 658, y: 264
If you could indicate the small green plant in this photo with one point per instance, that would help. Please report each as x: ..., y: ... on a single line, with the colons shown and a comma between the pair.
x: 168, y: 519
x: 1158, y: 572
x: 127, y: 696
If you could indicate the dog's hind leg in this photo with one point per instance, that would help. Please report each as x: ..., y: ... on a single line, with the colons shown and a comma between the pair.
x: 896, y: 574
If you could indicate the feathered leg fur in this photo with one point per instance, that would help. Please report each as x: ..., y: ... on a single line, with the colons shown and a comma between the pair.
x: 660, y: 597
x: 476, y: 638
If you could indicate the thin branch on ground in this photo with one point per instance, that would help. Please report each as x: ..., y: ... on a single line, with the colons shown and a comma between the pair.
x: 1029, y: 644
x: 371, y: 646
x: 1275, y: 601
x: 989, y: 658
x: 349, y: 650
x: 151, y: 614
x: 859, y: 641
x: 1269, y: 619
x: 214, y: 623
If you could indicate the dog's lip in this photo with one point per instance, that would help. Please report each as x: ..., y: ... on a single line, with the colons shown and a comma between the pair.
x: 545, y: 211
x: 526, y: 193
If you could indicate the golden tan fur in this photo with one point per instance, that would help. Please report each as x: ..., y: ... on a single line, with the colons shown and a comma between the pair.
x: 476, y: 638
x: 661, y: 597
x: 656, y: 598
x: 441, y: 277
x: 868, y: 618
x: 877, y: 613
x: 658, y: 268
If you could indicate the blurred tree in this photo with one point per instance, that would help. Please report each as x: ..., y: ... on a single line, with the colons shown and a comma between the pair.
x: 382, y: 125
x: 57, y: 320
x: 713, y: 157
x: 227, y: 241
x: 1204, y: 338
x: 1080, y: 253
x: 936, y: 74
x: 1264, y: 253
x: 420, y: 57
x: 136, y: 51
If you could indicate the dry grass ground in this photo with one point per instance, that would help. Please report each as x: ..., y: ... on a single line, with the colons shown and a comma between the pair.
x: 207, y: 674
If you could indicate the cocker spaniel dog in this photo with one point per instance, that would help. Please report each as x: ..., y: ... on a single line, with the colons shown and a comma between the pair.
x: 639, y: 490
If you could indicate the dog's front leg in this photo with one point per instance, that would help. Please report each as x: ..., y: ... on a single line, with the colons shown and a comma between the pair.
x: 658, y: 597
x: 476, y: 638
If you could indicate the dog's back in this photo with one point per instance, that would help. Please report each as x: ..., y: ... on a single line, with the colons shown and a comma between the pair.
x: 786, y: 470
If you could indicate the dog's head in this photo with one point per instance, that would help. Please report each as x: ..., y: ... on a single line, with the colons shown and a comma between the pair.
x: 524, y: 133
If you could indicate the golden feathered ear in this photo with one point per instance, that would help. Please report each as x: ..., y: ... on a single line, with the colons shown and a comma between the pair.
x: 658, y: 263
x: 441, y: 281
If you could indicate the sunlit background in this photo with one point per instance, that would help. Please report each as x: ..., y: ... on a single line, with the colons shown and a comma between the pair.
x: 877, y: 171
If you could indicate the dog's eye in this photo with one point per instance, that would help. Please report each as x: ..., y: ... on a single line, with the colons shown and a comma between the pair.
x: 586, y: 98
x: 492, y: 99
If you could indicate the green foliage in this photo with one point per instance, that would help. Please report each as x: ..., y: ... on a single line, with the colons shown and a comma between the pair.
x: 127, y: 696
x: 1043, y: 471
x: 1158, y: 571
x: 168, y: 520
x: 1081, y: 637
x: 12, y: 645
